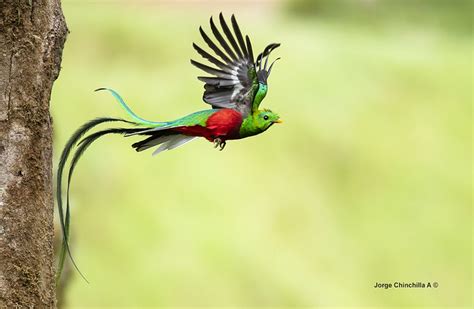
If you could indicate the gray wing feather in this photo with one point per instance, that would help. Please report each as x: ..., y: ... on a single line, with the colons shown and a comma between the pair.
x: 230, y: 85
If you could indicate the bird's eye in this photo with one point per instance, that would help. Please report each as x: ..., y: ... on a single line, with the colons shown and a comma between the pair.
x: 265, y: 117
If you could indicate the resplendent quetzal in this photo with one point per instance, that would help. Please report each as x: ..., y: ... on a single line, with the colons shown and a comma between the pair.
x: 235, y: 90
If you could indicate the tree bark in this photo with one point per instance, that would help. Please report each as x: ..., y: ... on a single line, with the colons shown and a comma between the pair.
x: 32, y: 36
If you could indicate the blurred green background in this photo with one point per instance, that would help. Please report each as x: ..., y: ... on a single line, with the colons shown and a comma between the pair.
x: 368, y: 180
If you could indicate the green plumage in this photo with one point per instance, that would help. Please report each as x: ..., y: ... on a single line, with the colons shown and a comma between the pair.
x: 235, y: 90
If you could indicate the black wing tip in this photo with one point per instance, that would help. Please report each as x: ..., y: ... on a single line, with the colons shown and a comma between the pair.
x: 267, y: 50
x: 222, y: 20
x: 194, y: 62
x: 272, y: 46
x: 202, y: 32
x: 233, y: 19
x: 213, y: 24
x: 101, y: 88
x: 248, y: 41
x: 203, y: 78
x: 197, y: 48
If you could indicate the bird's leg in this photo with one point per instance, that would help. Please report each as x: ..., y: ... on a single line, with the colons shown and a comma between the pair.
x: 222, y: 145
x: 218, y: 142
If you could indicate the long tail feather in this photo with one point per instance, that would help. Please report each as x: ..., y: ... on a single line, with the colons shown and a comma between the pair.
x: 129, y: 110
x: 159, y: 135
x: 65, y: 249
x: 82, y: 146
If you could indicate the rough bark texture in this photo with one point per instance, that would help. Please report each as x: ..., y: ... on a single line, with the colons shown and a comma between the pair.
x: 32, y: 35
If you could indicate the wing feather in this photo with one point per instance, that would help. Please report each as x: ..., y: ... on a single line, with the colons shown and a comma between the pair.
x: 234, y: 81
x: 211, y: 70
x: 239, y: 36
x: 221, y: 40
x: 230, y: 37
x: 211, y: 58
x: 216, y: 81
x: 249, y: 48
x: 213, y: 46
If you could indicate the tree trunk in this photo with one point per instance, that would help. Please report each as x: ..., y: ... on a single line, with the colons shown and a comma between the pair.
x: 32, y: 36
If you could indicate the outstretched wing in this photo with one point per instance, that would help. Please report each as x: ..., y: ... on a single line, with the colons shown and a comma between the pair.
x: 234, y: 82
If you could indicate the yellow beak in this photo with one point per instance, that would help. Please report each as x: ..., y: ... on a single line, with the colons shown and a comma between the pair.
x: 279, y: 121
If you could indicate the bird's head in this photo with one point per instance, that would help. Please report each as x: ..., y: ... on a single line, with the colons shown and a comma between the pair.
x: 265, y: 118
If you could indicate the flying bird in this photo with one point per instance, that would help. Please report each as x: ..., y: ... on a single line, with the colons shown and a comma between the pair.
x: 234, y: 87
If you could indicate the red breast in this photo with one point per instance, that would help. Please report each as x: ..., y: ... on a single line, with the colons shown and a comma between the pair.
x: 225, y: 123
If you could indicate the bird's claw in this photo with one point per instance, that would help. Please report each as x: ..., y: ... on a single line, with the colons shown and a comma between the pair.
x: 219, y: 143
x: 222, y: 145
